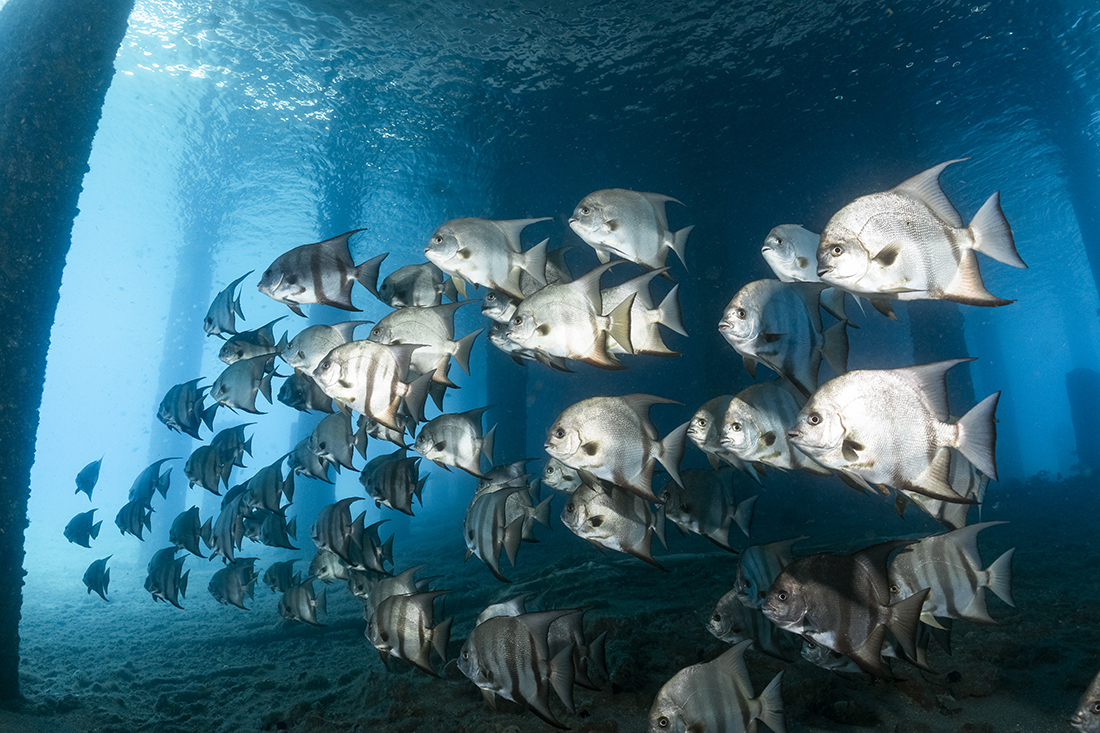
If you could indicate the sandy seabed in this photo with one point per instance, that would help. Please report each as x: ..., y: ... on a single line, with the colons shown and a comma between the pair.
x: 134, y: 665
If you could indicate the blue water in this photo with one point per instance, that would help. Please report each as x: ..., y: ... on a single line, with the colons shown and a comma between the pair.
x: 231, y: 134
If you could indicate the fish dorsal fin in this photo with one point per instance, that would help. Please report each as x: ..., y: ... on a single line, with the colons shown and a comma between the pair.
x: 538, y: 624
x: 658, y: 201
x: 732, y: 662
x: 588, y: 285
x: 446, y: 313
x: 931, y: 381
x: 874, y: 559
x: 640, y: 404
x: 810, y: 293
x: 402, y: 354
x: 512, y: 228
x: 966, y: 541
x: 925, y: 187
x: 346, y: 329
x: 338, y: 247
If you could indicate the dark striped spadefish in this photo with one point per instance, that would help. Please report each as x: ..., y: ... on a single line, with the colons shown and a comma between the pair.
x: 486, y: 532
x: 732, y: 622
x: 322, y: 273
x: 509, y: 656
x: 950, y: 566
x: 834, y: 600
x: 403, y: 626
x: 717, y: 697
x: 370, y: 378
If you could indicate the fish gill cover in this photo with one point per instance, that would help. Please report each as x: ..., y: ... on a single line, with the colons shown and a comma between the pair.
x: 234, y: 135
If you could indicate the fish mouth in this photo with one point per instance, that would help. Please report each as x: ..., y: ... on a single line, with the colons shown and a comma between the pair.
x: 724, y: 326
x: 823, y: 271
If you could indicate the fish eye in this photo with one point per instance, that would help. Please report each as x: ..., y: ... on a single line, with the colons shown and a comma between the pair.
x: 517, y: 321
x: 837, y: 250
x: 585, y: 211
x: 662, y: 722
x: 437, y: 239
x: 813, y: 418
x: 894, y: 588
x: 702, y: 421
x: 490, y: 296
x: 735, y: 427
x: 741, y: 314
x: 569, y: 507
x: 376, y: 331
x: 781, y: 595
x: 716, y: 618
x: 465, y: 655
x: 1096, y: 708
x: 559, y: 433
x: 291, y: 279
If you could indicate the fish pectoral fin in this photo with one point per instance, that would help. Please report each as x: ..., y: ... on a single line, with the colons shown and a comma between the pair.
x: 850, y: 450
x: 771, y: 338
x: 888, y: 255
x: 612, y: 225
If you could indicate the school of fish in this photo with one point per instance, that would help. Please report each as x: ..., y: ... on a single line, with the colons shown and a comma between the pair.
x: 874, y: 430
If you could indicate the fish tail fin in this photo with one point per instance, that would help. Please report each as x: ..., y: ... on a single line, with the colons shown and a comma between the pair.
x: 993, y: 235
x: 835, y: 349
x: 487, y: 443
x: 906, y: 619
x: 322, y: 602
x: 292, y: 528
x: 204, y: 531
x: 679, y: 243
x: 183, y: 583
x: 415, y: 398
x: 534, y: 261
x: 562, y: 676
x: 366, y: 274
x: 541, y: 513
x: 977, y: 435
x: 463, y: 348
x: 449, y: 290
x: 1000, y: 577
x: 668, y: 312
x: 619, y: 323
x: 742, y: 517
x: 441, y: 638
x: 771, y: 706
x: 95, y: 529
x: 672, y: 451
